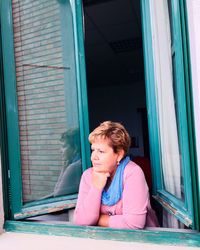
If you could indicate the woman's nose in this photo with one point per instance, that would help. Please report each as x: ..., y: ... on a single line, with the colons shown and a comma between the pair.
x: 94, y: 155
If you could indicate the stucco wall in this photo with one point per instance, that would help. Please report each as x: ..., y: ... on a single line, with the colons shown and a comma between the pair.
x: 1, y: 202
x: 10, y: 241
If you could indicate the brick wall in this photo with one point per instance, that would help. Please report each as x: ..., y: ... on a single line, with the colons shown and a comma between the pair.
x: 40, y: 89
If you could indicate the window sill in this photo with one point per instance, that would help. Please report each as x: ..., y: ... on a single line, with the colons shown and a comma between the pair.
x: 159, y: 236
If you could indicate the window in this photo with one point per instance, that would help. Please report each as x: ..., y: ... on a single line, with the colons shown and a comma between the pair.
x: 26, y: 64
x: 169, y: 114
x: 47, y: 151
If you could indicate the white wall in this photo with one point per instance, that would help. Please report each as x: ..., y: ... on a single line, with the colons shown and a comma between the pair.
x: 119, y: 103
x: 194, y: 35
x: 20, y: 241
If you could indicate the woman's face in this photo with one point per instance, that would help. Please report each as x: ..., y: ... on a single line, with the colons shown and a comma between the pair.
x: 103, y: 158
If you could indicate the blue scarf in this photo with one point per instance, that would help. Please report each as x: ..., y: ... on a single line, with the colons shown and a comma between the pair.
x: 113, y: 194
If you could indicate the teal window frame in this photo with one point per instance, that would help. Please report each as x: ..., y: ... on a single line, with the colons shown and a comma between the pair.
x: 186, y: 211
x: 18, y: 210
x: 156, y: 236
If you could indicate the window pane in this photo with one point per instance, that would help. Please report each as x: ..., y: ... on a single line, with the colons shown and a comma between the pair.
x: 166, y: 98
x: 47, y: 98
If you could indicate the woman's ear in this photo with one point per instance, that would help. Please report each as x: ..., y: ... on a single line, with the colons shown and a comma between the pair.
x: 120, y: 155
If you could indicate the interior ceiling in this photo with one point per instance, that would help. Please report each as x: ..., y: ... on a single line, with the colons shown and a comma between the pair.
x: 113, y: 42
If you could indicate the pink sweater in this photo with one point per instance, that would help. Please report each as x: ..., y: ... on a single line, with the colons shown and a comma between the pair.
x: 132, y: 211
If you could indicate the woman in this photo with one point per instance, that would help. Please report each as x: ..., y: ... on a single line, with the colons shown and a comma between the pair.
x: 113, y: 193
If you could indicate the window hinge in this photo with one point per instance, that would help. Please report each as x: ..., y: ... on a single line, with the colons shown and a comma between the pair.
x: 9, y: 174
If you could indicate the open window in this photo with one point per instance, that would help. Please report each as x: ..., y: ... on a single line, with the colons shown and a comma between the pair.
x: 45, y: 102
x: 169, y: 113
x: 116, y: 90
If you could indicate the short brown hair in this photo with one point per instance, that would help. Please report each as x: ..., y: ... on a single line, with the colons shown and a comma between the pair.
x: 115, y: 133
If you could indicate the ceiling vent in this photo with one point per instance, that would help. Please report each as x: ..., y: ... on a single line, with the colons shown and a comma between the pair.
x: 126, y: 45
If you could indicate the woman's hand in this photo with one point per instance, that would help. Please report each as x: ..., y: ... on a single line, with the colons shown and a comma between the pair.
x: 99, y: 178
x: 103, y: 220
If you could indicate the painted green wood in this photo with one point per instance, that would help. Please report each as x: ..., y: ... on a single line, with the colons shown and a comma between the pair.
x: 190, y: 111
x: 181, y: 71
x: 172, y: 208
x: 51, y: 200
x: 158, y: 236
x: 81, y: 80
x: 150, y: 96
x: 182, y: 118
x: 3, y: 138
x: 28, y: 212
x: 11, y: 106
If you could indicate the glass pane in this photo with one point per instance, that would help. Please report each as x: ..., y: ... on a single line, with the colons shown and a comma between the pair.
x: 166, y: 98
x: 47, y: 98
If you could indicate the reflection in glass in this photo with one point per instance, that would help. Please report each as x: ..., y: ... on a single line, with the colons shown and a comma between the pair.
x: 47, y: 98
x: 69, y: 178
